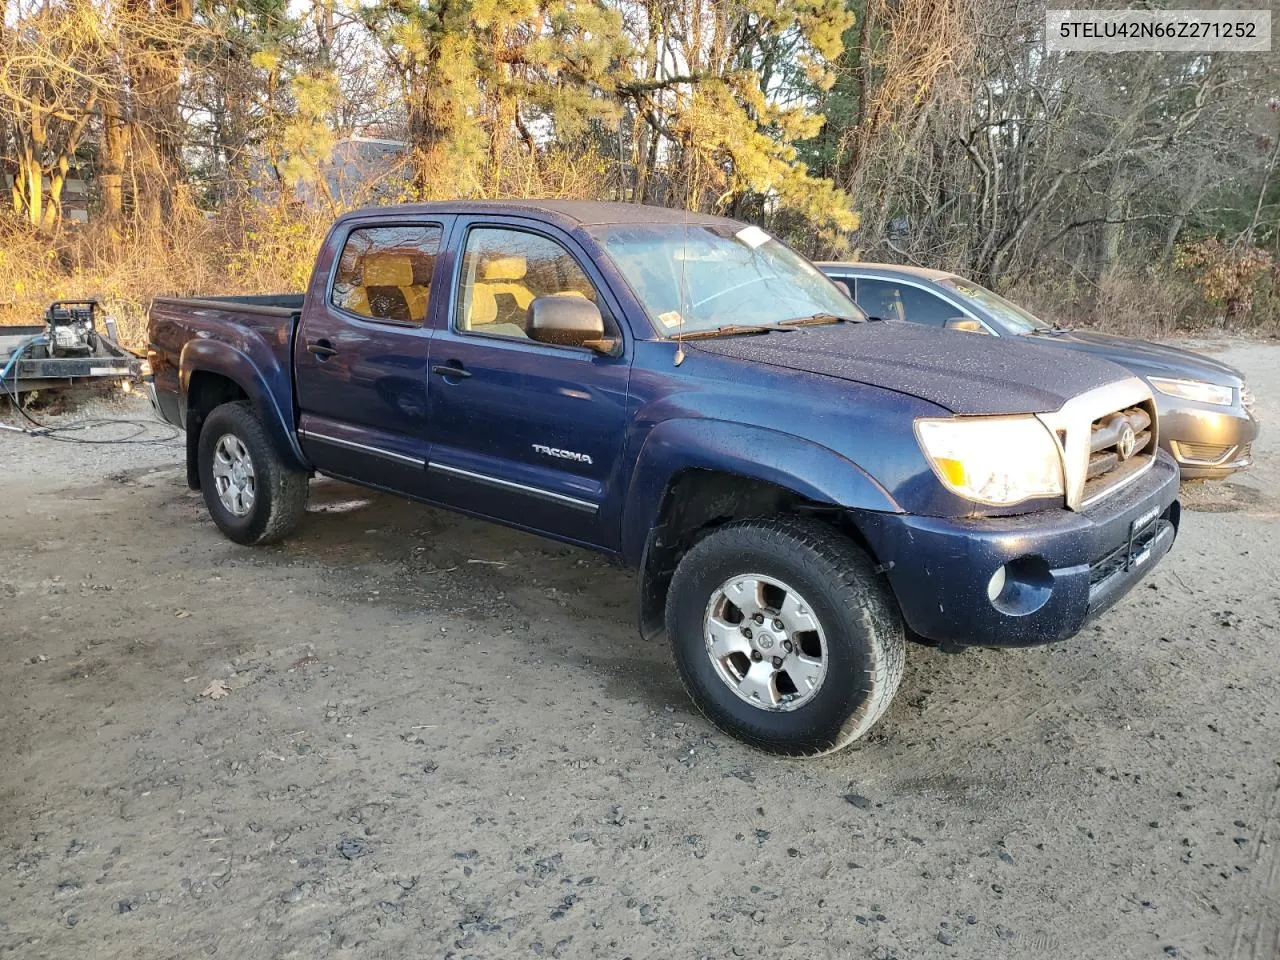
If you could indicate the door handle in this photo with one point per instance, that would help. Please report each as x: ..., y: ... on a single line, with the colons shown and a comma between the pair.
x: 451, y: 371
x: 322, y: 348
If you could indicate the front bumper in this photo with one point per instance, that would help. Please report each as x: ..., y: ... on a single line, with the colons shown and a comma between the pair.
x: 1063, y: 568
x: 1206, y: 441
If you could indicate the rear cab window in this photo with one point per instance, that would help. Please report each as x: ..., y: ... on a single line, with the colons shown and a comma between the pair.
x: 384, y: 273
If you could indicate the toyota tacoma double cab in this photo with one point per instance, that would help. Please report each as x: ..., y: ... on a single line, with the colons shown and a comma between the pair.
x: 799, y: 493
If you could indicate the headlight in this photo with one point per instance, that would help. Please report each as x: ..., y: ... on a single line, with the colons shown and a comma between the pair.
x: 1196, y: 390
x: 993, y: 460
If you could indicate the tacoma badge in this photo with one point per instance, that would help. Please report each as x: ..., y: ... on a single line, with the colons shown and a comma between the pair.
x: 562, y: 454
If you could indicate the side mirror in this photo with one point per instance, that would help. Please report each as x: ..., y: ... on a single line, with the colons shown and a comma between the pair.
x: 965, y: 324
x: 569, y: 322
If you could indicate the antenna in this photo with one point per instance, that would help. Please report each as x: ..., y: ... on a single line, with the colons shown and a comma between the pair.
x: 684, y: 281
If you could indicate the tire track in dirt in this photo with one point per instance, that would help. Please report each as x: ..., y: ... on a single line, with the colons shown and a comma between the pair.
x: 1260, y: 936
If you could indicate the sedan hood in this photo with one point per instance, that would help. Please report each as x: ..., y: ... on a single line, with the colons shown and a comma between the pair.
x: 964, y: 372
x: 1145, y: 358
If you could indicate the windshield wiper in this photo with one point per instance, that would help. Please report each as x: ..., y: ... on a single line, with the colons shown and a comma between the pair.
x: 730, y: 330
x: 817, y: 318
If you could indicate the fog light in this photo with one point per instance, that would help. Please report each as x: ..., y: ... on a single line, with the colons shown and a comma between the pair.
x: 995, y: 586
x: 1021, y: 586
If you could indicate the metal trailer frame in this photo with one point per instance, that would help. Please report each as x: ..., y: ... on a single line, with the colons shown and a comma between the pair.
x: 109, y: 362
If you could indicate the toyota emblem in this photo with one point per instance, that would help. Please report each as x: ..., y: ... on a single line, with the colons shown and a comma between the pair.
x: 1127, y: 443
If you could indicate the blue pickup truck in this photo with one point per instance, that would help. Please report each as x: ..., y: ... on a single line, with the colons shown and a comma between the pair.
x: 800, y: 489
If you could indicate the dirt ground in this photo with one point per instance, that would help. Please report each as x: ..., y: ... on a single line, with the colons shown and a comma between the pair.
x: 444, y: 739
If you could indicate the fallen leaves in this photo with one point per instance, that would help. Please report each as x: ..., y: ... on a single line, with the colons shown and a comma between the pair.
x: 216, y: 690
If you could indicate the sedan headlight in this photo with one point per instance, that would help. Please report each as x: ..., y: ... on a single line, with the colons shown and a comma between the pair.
x: 993, y: 460
x: 1196, y: 390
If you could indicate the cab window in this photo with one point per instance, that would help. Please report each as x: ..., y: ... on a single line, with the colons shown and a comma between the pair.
x: 385, y: 272
x: 503, y: 271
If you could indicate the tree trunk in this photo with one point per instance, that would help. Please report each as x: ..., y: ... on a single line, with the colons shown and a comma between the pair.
x: 57, y: 180
x: 157, y: 130
x: 1187, y: 203
x: 1112, y: 230
x: 32, y: 194
x: 33, y: 141
x: 111, y: 160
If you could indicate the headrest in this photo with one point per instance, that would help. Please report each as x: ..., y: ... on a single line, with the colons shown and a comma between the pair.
x: 388, y: 270
x: 504, y: 268
x: 484, y: 308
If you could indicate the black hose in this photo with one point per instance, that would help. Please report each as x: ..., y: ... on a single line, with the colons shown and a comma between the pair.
x: 49, y: 432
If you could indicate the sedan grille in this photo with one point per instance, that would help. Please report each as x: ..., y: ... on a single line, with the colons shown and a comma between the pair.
x: 1121, y: 444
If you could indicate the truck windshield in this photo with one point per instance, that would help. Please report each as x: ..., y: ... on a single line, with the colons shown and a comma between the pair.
x: 1012, y: 317
x: 700, y: 277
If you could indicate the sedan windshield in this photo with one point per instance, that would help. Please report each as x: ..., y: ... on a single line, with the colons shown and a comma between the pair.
x: 700, y: 277
x: 1008, y: 314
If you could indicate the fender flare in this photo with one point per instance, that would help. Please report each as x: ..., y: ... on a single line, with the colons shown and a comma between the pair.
x: 218, y: 357
x: 676, y: 446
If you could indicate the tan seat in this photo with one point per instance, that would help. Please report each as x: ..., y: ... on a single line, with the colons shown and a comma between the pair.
x: 388, y: 291
x: 500, y: 298
x: 482, y: 315
x: 483, y: 308
x: 503, y: 279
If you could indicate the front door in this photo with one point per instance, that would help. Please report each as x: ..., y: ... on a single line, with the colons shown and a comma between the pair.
x: 522, y: 431
x: 361, y: 358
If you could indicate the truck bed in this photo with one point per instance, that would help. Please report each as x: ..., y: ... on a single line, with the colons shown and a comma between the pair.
x: 259, y: 331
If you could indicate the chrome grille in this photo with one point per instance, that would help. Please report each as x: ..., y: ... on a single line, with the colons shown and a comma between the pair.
x: 1074, y: 426
x: 1121, y: 444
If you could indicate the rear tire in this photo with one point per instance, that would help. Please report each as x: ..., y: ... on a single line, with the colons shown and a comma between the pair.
x: 784, y: 635
x: 252, y: 494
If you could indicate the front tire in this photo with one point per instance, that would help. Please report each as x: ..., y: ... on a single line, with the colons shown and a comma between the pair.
x: 252, y: 494
x: 784, y: 635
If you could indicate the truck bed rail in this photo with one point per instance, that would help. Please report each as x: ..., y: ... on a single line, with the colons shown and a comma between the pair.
x: 273, y: 305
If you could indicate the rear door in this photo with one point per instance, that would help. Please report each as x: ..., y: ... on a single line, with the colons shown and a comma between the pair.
x: 362, y: 351
x: 521, y: 431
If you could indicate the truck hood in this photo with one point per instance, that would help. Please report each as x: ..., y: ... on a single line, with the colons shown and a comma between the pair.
x: 1145, y: 358
x: 965, y: 373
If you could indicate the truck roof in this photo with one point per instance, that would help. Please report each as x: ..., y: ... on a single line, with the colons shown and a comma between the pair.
x: 564, y: 213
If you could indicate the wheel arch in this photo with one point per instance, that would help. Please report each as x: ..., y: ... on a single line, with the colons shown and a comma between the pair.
x: 212, y: 373
x: 694, y: 475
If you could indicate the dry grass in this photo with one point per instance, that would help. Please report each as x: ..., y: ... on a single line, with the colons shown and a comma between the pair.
x: 269, y: 251
x: 1151, y: 304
